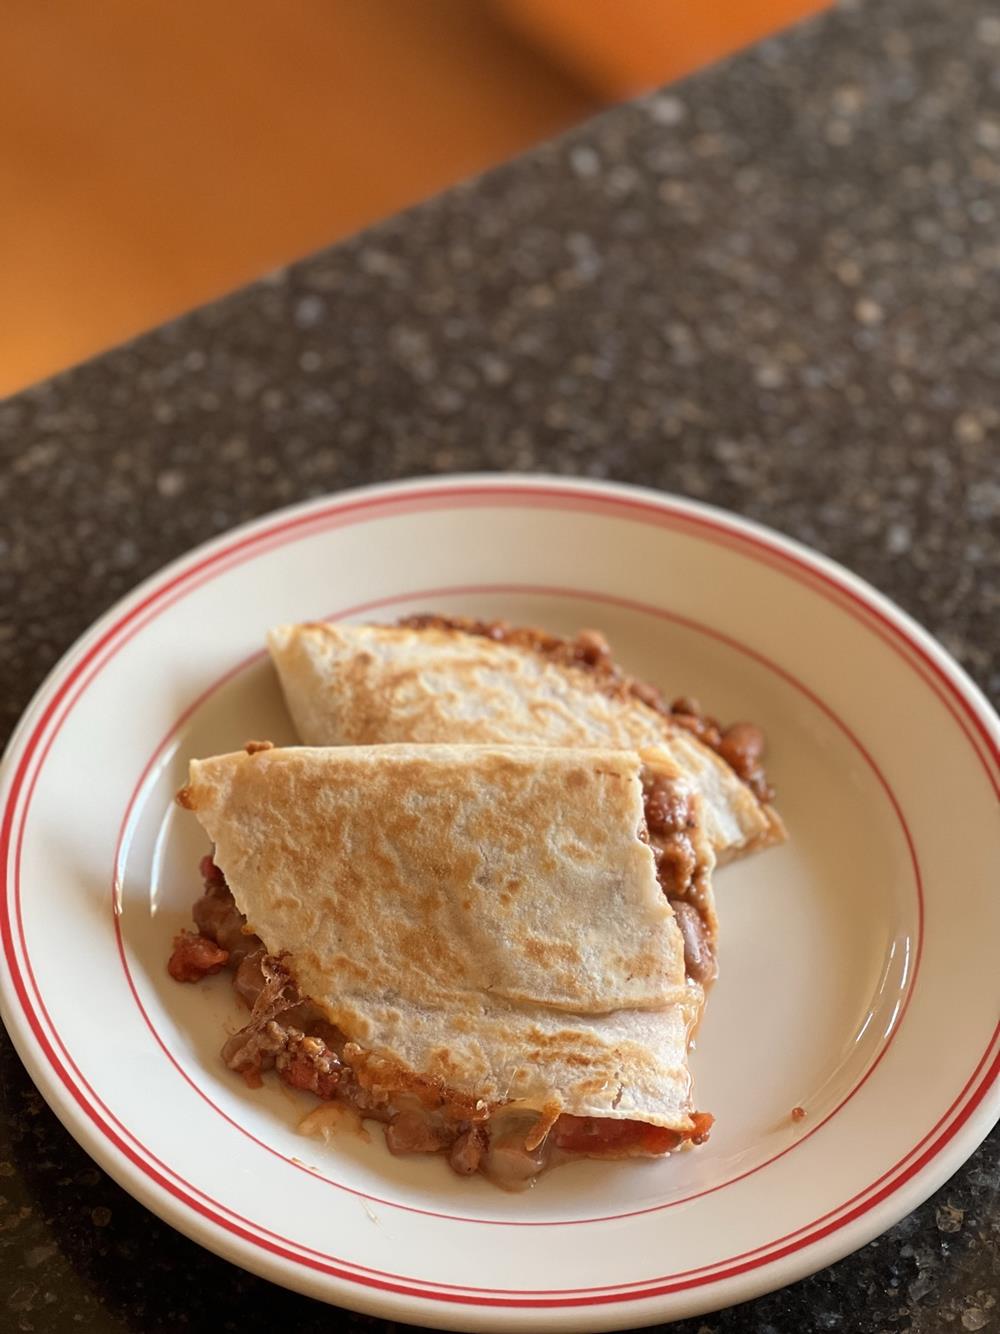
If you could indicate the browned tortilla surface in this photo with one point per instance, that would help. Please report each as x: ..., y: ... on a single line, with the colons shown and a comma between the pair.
x: 484, y: 916
x: 370, y: 684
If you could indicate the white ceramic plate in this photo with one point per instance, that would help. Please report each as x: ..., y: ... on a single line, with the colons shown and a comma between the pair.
x: 859, y: 962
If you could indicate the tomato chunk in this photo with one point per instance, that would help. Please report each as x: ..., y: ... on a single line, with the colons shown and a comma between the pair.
x: 603, y: 1135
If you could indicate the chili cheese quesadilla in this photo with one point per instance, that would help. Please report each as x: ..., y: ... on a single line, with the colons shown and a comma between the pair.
x: 433, y: 679
x: 500, y: 951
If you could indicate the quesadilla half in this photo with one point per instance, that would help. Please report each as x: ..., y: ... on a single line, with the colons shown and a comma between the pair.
x: 438, y: 679
x: 500, y: 952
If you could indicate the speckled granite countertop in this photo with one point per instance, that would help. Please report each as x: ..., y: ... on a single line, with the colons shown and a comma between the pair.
x: 775, y: 287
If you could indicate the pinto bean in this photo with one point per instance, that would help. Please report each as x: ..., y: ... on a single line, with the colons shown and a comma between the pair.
x: 742, y: 747
x: 699, y: 956
x: 414, y: 1132
x: 466, y: 1153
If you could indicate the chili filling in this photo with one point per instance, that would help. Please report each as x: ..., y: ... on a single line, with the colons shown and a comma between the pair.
x: 670, y: 825
x: 287, y: 1033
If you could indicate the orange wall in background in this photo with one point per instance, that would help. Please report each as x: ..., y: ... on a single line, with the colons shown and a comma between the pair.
x: 622, y: 47
x: 154, y: 155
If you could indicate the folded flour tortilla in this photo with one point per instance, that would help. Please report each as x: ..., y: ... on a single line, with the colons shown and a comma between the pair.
x: 486, y: 919
x: 371, y: 684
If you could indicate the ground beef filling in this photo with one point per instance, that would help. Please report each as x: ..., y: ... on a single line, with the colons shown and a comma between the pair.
x: 287, y: 1033
x: 741, y: 745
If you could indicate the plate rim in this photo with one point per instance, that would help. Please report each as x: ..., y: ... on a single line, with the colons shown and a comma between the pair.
x: 919, y: 1181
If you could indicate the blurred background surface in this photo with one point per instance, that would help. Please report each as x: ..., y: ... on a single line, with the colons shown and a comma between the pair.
x: 155, y: 155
